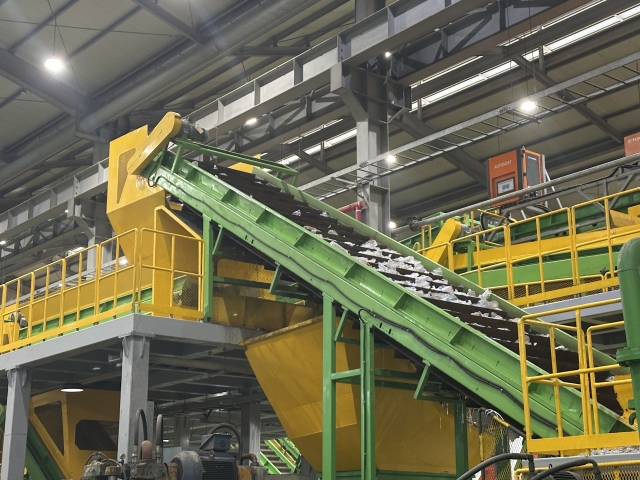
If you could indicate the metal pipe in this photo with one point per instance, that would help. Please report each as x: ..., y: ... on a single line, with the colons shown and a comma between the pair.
x: 357, y: 206
x: 629, y: 277
x: 158, y: 439
x: 140, y: 415
x: 564, y: 466
x: 498, y: 458
x: 255, y: 23
x: 524, y: 191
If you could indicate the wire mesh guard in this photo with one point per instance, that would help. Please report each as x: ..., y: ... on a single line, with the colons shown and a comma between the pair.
x: 497, y: 437
x: 185, y: 290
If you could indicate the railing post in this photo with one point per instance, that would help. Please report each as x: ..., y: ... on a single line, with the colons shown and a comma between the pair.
x: 328, y: 389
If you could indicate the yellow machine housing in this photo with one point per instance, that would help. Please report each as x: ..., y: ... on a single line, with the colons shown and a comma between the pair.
x: 412, y: 435
x: 74, y: 425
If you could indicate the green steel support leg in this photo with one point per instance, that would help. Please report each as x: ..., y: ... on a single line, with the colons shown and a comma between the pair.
x: 460, y: 431
x: 367, y: 404
x: 207, y: 287
x: 629, y: 275
x: 328, y: 389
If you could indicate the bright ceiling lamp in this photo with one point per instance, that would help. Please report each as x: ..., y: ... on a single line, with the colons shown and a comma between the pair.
x: 73, y: 387
x: 528, y: 106
x: 251, y: 121
x: 53, y: 64
x: 391, y: 158
x: 392, y: 225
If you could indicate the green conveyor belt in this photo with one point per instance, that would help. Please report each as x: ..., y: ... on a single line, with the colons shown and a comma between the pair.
x: 485, y: 368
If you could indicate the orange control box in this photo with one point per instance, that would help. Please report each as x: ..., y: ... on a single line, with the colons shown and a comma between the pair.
x: 512, y: 171
x: 632, y: 144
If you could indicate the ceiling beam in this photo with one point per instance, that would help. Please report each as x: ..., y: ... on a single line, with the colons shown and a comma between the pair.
x: 38, y: 28
x: 567, y: 96
x: 315, y: 163
x: 459, y: 158
x: 39, y: 83
x: 11, y: 98
x: 171, y: 20
x: 266, y: 51
x: 105, y: 32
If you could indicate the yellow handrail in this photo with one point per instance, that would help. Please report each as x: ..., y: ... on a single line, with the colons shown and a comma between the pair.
x: 592, y: 436
x: 90, y: 286
x: 484, y: 260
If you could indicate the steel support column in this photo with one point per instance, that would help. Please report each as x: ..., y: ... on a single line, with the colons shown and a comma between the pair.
x: 133, y: 390
x: 368, y: 97
x: 460, y: 432
x: 207, y: 287
x: 250, y: 428
x: 182, y: 431
x: 101, y: 149
x: 367, y: 404
x: 14, y: 448
x: 328, y: 389
x: 364, y: 8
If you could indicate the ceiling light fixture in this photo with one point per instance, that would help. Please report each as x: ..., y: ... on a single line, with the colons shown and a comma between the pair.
x: 391, y: 158
x: 3, y: 242
x: 528, y: 106
x: 392, y: 225
x: 387, y: 54
x: 54, y: 64
x: 72, y: 387
x: 251, y: 121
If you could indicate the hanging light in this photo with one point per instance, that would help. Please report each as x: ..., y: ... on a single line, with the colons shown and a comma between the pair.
x: 54, y: 64
x: 392, y: 225
x: 251, y: 121
x: 391, y: 158
x: 72, y: 387
x: 528, y: 106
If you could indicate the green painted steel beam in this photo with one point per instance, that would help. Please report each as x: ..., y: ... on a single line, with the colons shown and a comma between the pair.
x: 207, y: 236
x: 328, y: 388
x: 276, y: 447
x: 487, y: 369
x: 271, y: 468
x: 590, y: 264
x: 367, y: 404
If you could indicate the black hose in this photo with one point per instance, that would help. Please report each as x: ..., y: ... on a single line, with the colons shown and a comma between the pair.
x: 228, y: 426
x: 564, y: 466
x: 140, y: 415
x: 499, y: 458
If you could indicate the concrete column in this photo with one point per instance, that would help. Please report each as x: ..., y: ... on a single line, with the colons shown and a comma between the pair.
x: 182, y: 432
x: 250, y: 428
x: 151, y: 425
x: 14, y: 449
x: 133, y: 389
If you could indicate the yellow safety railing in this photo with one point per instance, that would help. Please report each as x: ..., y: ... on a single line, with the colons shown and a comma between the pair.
x: 100, y: 283
x: 586, y: 384
x: 511, y: 253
